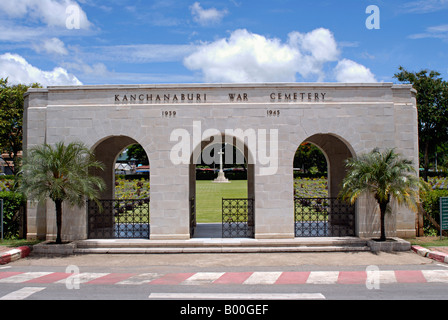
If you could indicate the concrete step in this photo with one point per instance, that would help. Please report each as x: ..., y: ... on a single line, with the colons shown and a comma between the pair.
x: 224, y: 249
x: 219, y: 245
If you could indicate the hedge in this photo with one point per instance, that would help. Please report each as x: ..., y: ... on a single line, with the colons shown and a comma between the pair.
x: 431, y: 204
x: 12, y: 202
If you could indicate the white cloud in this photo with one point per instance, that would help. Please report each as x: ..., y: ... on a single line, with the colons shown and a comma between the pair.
x: 437, y: 32
x: 50, y: 12
x: 206, y: 16
x: 425, y: 6
x: 249, y: 57
x: 18, y: 70
x: 350, y: 71
x: 52, y: 46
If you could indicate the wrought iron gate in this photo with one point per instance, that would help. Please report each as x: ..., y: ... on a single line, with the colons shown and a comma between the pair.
x: 238, y: 219
x: 323, y: 217
x: 118, y: 219
x: 192, y: 216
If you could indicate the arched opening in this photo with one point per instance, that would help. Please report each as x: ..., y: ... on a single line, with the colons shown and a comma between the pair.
x: 123, y: 208
x: 318, y: 210
x: 221, y: 190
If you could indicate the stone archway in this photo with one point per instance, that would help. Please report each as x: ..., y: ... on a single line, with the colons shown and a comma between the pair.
x: 336, y: 152
x: 232, y: 226
x: 329, y: 216
x: 107, y: 152
x: 113, y: 217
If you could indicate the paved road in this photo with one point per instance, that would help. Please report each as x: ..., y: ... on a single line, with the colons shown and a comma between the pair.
x: 185, y: 277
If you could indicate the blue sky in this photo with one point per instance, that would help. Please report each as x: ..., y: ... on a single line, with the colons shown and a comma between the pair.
x: 69, y: 42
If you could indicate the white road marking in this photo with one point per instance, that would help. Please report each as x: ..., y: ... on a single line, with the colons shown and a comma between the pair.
x: 263, y: 278
x: 202, y: 278
x: 22, y: 293
x: 236, y: 296
x: 435, y: 275
x: 140, y: 279
x: 323, y: 277
x: 82, y: 277
x: 387, y: 276
x: 24, y: 277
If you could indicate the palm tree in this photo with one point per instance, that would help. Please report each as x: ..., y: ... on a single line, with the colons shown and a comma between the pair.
x: 385, y: 175
x: 61, y: 173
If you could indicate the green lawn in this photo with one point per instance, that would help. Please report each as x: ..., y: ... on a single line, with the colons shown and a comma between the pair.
x: 209, y: 198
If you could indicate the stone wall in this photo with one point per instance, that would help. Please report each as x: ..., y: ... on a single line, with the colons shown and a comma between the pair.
x: 342, y: 119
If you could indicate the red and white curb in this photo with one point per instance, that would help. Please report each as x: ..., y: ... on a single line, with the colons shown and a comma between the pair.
x: 435, y: 255
x: 14, y: 254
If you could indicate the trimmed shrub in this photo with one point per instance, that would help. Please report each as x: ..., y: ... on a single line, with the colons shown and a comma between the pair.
x: 431, y: 204
x: 12, y: 218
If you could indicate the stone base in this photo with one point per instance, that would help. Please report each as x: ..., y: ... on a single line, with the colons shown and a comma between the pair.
x: 221, y: 178
x: 50, y: 248
x: 390, y: 245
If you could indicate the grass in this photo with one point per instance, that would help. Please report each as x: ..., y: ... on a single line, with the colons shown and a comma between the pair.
x: 427, y: 242
x: 209, y: 198
x: 14, y: 243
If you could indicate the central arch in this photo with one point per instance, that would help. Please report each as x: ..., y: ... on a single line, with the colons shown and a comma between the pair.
x: 327, y: 216
x: 243, y: 206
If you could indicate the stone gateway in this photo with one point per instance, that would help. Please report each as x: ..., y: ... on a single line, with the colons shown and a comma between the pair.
x: 266, y: 122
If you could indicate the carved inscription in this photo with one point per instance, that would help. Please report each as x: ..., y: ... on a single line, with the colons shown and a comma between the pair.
x: 238, y: 97
x: 273, y: 113
x: 162, y: 98
x: 169, y: 114
x: 297, y: 96
x: 241, y: 97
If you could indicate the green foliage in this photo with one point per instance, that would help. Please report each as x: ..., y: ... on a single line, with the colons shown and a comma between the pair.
x: 12, y: 201
x: 385, y: 175
x: 61, y: 173
x: 11, y: 119
x: 131, y: 189
x: 311, y: 188
x: 431, y: 204
x: 137, y: 152
x: 309, y: 158
x: 432, y: 106
x: 7, y: 184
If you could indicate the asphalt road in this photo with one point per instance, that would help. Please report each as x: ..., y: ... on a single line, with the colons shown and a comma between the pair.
x: 226, y: 278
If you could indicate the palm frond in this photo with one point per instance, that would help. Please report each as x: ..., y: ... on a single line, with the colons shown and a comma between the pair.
x: 61, y: 172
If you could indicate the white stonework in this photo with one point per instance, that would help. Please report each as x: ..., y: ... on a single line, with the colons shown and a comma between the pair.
x: 343, y: 120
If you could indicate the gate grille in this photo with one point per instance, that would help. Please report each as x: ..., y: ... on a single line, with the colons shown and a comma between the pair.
x: 238, y: 218
x: 323, y: 217
x: 118, y: 219
x: 192, y: 216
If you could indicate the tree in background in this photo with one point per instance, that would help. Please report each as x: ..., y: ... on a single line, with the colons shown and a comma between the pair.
x: 61, y: 173
x: 310, y: 158
x: 137, y: 152
x: 432, y: 106
x: 11, y: 120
